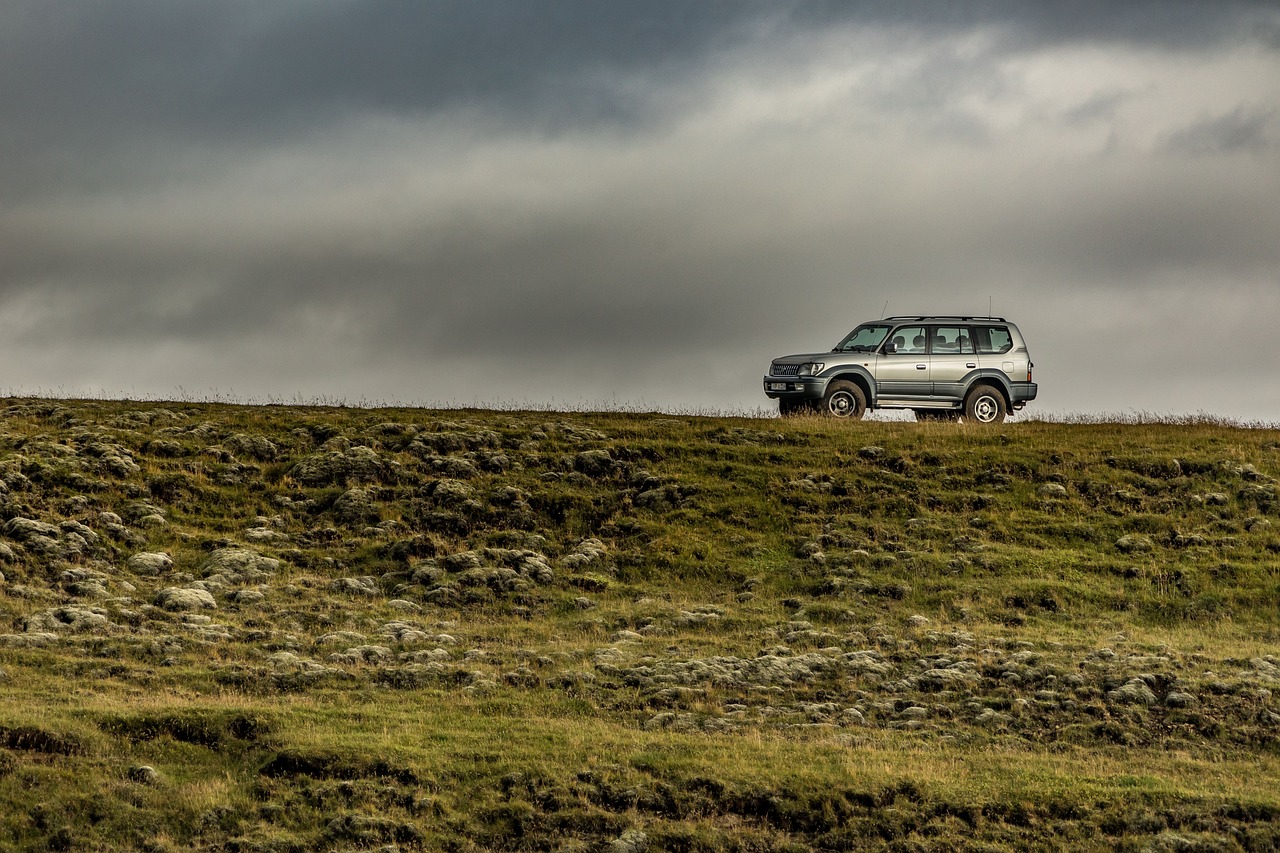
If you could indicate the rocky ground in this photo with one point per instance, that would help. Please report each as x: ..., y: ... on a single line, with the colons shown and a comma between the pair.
x: 183, y: 586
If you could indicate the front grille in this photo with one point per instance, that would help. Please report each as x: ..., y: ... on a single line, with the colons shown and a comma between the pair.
x: 776, y: 369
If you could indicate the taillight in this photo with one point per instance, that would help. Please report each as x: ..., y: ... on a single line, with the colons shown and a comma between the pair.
x: 1029, y: 366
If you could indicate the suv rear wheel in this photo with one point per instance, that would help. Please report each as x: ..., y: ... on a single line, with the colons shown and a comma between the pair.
x: 844, y: 400
x: 985, y: 405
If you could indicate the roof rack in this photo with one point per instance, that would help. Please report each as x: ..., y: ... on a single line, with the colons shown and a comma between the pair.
x: 945, y: 317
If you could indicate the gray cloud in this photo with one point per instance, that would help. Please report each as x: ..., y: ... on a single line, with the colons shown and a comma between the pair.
x: 489, y: 201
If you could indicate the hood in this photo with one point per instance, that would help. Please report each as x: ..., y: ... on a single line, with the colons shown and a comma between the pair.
x: 806, y: 357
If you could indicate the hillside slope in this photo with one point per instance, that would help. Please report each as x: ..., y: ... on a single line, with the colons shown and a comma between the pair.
x: 291, y: 628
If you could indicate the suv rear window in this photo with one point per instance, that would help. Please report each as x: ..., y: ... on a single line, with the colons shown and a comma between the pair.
x: 992, y: 339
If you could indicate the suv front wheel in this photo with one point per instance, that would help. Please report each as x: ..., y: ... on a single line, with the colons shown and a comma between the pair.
x: 985, y: 405
x: 844, y: 400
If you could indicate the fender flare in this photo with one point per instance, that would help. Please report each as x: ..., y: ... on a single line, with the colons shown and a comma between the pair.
x: 990, y: 376
x: 854, y: 373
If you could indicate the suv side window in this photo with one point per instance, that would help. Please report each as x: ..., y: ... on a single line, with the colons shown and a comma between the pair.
x: 993, y: 339
x: 910, y: 339
x: 950, y: 340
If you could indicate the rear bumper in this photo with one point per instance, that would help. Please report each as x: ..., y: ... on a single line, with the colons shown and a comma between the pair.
x: 1021, y: 393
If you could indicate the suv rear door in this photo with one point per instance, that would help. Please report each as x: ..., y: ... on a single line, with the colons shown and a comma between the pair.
x: 951, y: 359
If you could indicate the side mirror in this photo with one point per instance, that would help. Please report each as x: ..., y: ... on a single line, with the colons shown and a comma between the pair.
x: 890, y: 347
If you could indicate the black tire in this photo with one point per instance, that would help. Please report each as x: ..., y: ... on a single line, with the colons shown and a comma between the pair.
x: 985, y: 405
x: 844, y: 400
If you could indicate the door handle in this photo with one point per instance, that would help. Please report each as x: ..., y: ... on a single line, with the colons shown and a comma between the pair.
x: 921, y: 366
x: 971, y: 364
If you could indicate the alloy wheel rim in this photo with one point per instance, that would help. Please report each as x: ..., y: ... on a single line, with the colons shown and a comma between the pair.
x: 985, y: 409
x: 841, y: 404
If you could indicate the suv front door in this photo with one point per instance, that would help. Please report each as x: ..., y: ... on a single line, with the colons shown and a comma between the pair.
x: 905, y: 372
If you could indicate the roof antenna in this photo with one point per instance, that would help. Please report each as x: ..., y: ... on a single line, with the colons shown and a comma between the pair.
x: 885, y: 309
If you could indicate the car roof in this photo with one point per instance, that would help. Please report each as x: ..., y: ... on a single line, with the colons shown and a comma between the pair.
x: 929, y: 317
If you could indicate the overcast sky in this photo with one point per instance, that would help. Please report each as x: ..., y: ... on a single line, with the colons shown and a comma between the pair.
x: 578, y: 202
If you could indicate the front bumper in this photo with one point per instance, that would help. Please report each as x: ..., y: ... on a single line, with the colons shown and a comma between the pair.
x: 795, y: 387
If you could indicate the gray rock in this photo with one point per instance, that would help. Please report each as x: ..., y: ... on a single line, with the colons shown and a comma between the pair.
x: 631, y: 841
x: 264, y: 535
x: 255, y: 446
x: 184, y: 598
x: 144, y: 774
x: 356, y: 506
x: 136, y: 511
x: 1178, y: 699
x: 238, y: 561
x: 356, y: 586
x: 1130, y: 544
x: 991, y: 718
x: 336, y: 466
x: 449, y: 491
x: 593, y: 462
x: 1052, y: 490
x: 404, y: 605
x: 69, y: 618
x: 1133, y: 692
x: 27, y: 529
x: 149, y: 563
x: 28, y: 640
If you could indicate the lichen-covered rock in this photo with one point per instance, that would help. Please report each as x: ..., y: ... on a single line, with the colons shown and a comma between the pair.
x: 184, y: 598
x: 69, y: 618
x: 27, y: 529
x: 631, y: 841
x: 255, y: 446
x: 1132, y: 544
x: 149, y: 563
x: 359, y: 464
x: 239, y: 561
x: 28, y: 640
x: 593, y: 463
x: 356, y: 586
x: 1133, y: 692
x: 448, y: 492
x: 589, y: 551
x: 356, y: 506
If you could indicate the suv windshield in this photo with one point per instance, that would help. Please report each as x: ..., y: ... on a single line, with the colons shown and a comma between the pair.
x: 863, y: 339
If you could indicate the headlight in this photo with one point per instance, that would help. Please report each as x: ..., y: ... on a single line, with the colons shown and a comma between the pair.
x: 812, y: 368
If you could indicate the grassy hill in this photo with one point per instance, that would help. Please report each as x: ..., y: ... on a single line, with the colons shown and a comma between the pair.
x: 292, y: 628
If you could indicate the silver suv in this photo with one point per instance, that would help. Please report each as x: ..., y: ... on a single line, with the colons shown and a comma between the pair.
x: 941, y: 367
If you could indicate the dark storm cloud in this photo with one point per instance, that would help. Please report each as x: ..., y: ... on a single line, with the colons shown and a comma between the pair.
x: 1239, y: 130
x: 481, y: 200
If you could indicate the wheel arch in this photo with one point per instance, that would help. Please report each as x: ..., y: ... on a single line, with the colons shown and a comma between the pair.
x: 993, y: 378
x: 860, y: 378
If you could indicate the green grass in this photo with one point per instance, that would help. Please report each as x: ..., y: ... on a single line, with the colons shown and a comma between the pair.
x: 723, y: 633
